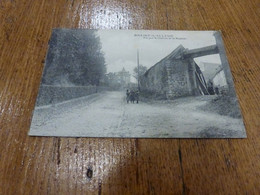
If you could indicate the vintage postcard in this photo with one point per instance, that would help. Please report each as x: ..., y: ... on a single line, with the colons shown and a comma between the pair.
x: 137, y: 84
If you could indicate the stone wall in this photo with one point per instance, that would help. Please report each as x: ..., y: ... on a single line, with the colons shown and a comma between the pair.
x: 155, y: 80
x: 168, y: 79
x: 49, y: 94
x: 178, y: 79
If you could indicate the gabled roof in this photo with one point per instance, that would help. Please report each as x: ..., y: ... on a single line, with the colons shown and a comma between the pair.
x: 210, y: 69
x: 176, y: 53
x: 218, y: 71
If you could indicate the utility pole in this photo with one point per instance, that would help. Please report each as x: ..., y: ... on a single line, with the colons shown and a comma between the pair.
x: 138, y: 81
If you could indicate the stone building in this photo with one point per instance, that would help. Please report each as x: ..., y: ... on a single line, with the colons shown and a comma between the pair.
x: 177, y: 74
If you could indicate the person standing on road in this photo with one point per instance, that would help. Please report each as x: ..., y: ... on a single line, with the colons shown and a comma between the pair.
x: 132, y: 96
x: 137, y: 96
x: 127, y: 95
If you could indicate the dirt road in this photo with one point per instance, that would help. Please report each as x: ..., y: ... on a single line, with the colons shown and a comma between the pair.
x: 108, y: 115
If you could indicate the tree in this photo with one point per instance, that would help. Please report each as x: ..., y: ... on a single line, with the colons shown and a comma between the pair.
x: 74, y: 57
x: 142, y: 70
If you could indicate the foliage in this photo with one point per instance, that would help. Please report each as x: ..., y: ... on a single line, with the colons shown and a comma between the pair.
x: 142, y: 70
x: 223, y: 105
x: 74, y: 58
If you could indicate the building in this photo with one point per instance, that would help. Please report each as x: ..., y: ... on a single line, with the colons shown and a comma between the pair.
x: 177, y: 74
x: 123, y: 77
x: 118, y: 80
x: 209, y: 69
x: 219, y: 82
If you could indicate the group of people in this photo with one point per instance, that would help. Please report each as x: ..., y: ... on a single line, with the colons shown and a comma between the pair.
x: 132, y: 96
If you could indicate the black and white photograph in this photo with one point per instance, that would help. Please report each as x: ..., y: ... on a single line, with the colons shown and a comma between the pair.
x: 137, y: 84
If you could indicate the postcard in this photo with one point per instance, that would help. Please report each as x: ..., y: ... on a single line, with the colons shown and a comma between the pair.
x: 137, y: 84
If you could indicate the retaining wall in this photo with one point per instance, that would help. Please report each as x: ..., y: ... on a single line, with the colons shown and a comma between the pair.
x: 49, y: 94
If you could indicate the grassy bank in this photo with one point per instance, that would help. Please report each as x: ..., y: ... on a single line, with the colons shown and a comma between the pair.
x: 223, y: 105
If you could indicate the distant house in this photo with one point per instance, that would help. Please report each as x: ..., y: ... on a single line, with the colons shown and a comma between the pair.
x: 118, y: 80
x: 219, y: 82
x: 209, y: 69
x: 123, y: 77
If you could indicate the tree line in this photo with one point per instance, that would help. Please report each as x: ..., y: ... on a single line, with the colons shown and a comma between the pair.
x: 74, y: 58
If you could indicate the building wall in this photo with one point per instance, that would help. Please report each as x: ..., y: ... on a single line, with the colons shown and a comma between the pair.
x: 155, y: 80
x: 177, y: 74
x: 168, y: 78
x: 178, y: 78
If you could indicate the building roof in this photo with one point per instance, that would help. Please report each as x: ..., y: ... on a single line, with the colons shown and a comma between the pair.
x: 210, y: 69
x: 176, y: 53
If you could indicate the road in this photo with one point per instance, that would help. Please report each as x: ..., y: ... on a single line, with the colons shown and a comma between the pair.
x: 108, y: 115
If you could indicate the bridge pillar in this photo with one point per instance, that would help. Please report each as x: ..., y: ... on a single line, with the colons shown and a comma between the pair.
x: 224, y: 62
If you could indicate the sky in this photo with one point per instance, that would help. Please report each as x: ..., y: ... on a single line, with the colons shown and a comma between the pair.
x: 120, y: 47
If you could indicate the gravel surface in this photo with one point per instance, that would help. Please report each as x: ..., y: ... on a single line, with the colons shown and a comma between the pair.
x: 108, y: 115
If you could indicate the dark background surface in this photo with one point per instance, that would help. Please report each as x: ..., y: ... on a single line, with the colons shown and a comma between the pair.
x: 37, y: 165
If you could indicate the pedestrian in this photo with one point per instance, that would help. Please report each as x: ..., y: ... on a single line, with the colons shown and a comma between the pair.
x: 132, y: 96
x: 137, y: 96
x: 217, y: 90
x: 127, y: 95
x: 210, y: 88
